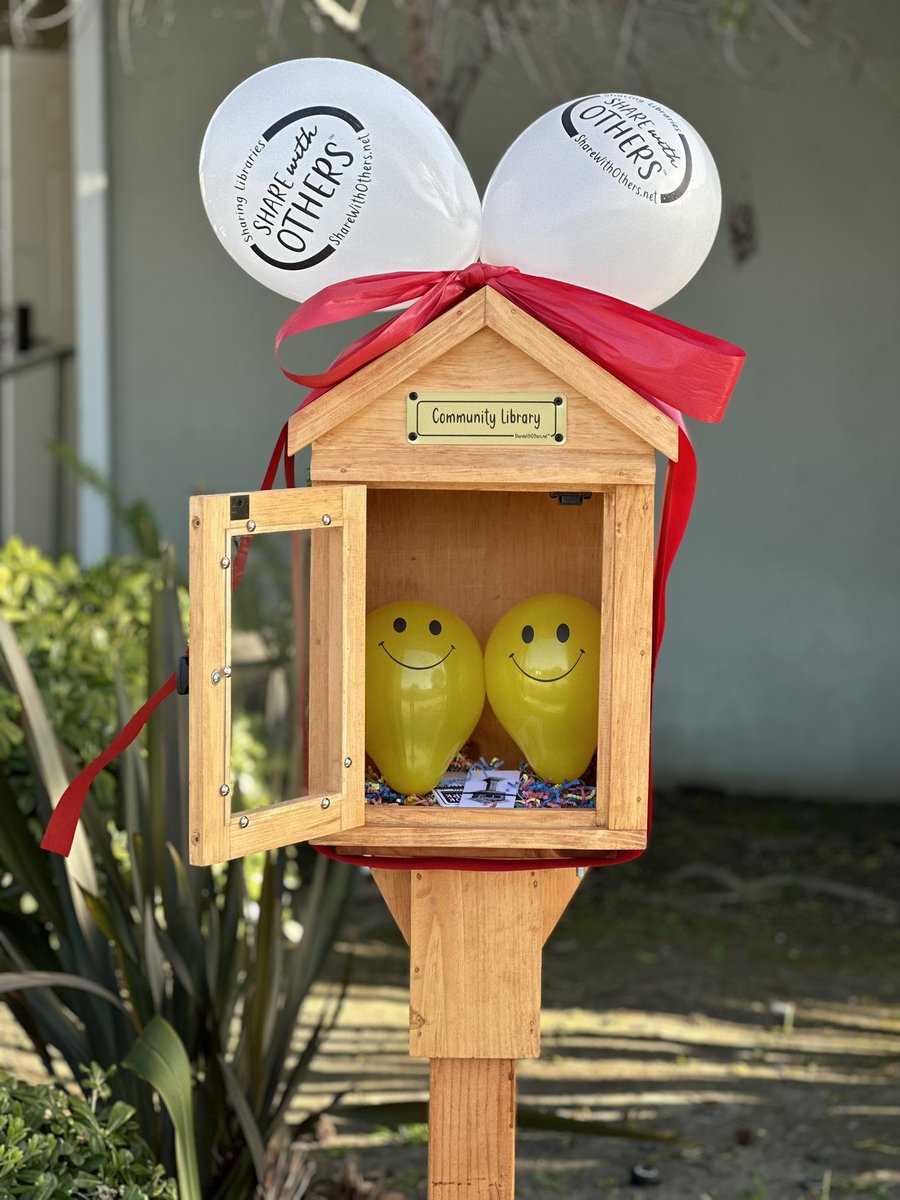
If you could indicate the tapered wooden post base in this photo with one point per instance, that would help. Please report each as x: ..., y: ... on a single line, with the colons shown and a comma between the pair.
x: 475, y: 958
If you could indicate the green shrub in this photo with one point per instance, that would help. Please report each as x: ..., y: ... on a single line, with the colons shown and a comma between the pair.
x: 121, y: 953
x: 82, y: 631
x: 56, y: 1146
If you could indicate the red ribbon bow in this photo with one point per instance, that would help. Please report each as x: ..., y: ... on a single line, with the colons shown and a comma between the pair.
x: 680, y: 370
x: 666, y: 363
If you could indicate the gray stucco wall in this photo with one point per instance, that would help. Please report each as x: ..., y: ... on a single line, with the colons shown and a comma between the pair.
x: 783, y: 643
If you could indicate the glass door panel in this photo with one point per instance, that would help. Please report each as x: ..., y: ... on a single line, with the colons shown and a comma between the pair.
x: 277, y: 601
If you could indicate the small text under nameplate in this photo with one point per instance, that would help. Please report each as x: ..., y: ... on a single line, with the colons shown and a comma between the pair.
x: 486, y: 418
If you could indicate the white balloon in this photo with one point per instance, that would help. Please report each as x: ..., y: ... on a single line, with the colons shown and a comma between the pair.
x: 612, y: 192
x: 319, y: 170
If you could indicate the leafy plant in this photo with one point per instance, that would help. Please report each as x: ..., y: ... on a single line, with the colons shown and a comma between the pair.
x: 56, y: 1146
x: 121, y: 952
x: 81, y: 631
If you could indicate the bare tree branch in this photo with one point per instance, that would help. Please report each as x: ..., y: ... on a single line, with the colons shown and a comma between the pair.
x: 349, y: 23
x: 730, y: 54
x: 347, y: 19
x: 23, y: 26
x: 274, y: 11
x: 123, y: 30
x: 499, y: 26
x: 445, y: 47
x: 424, y: 62
x: 465, y: 75
x: 788, y: 24
x: 625, y: 43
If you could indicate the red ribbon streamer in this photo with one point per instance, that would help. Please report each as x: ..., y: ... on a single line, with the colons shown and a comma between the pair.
x: 60, y: 831
x: 657, y: 358
x: 671, y: 365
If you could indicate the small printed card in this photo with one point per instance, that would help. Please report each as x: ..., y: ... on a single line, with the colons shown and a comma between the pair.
x: 489, y: 789
x: 448, y: 792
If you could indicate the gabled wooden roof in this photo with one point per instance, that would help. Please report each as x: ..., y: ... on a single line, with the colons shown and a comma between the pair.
x: 485, y: 309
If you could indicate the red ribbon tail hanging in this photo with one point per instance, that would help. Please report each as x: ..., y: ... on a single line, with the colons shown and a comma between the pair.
x: 60, y: 831
x: 678, y: 500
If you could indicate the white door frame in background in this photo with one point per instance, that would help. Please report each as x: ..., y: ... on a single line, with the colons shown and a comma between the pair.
x: 87, y: 46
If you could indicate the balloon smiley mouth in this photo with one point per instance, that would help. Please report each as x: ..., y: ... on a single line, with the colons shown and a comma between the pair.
x: 410, y: 667
x: 556, y: 678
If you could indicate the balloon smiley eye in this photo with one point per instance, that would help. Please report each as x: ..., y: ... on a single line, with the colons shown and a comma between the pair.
x: 527, y: 635
x: 399, y: 624
x: 435, y: 627
x: 562, y: 633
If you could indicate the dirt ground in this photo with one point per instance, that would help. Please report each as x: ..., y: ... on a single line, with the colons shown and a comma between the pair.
x: 737, y: 987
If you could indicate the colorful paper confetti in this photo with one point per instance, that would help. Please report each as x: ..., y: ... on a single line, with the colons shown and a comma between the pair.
x: 533, y: 792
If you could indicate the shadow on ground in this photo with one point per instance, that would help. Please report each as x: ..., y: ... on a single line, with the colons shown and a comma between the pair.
x: 738, y: 987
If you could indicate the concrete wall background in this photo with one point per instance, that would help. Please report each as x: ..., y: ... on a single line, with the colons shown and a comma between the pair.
x: 783, y: 643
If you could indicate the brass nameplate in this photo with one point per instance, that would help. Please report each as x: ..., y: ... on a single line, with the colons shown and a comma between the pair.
x: 486, y: 418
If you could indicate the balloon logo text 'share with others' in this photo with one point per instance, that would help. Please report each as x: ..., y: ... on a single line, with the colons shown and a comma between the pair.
x: 319, y: 170
x: 542, y: 670
x: 627, y: 199
x: 424, y: 691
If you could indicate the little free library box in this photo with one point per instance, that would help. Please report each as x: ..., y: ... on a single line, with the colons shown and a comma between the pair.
x: 481, y: 462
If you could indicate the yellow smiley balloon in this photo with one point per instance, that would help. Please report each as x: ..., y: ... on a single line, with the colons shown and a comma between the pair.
x: 542, y: 670
x: 424, y: 691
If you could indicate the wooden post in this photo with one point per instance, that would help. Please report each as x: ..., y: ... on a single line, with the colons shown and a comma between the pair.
x: 475, y: 959
x: 472, y: 1129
